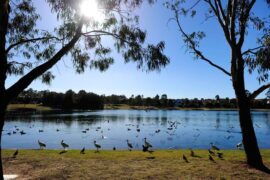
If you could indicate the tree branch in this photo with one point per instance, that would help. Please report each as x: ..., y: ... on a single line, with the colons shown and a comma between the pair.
x: 30, y: 40
x: 26, y: 80
x: 243, y: 23
x: 222, y: 12
x: 251, y: 50
x: 220, y: 20
x: 102, y: 33
x: 196, y: 51
x: 259, y: 91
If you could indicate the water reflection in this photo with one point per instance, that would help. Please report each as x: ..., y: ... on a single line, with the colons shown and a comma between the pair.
x: 111, y: 128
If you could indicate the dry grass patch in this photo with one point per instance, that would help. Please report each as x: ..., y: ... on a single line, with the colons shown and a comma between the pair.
x: 162, y: 164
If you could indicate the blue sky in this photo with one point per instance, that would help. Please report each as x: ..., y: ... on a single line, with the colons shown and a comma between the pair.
x: 184, y: 77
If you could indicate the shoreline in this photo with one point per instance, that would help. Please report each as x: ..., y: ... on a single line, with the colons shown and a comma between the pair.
x: 37, y: 107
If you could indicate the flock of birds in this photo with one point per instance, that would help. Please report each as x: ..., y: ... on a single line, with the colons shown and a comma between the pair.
x: 146, y: 147
x: 213, y: 151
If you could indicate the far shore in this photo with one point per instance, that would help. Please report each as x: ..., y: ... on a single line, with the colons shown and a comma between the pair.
x: 38, y: 107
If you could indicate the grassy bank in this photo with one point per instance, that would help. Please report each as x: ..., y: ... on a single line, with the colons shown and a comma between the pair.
x: 28, y: 107
x: 162, y: 164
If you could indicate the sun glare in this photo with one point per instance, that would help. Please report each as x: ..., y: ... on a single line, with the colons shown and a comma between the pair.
x: 90, y: 9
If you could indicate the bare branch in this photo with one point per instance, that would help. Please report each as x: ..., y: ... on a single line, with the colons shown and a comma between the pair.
x: 196, y: 51
x: 194, y: 5
x: 30, y: 41
x: 220, y: 20
x: 252, y: 50
x: 259, y: 91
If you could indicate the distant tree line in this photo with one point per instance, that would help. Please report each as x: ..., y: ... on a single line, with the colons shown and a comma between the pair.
x: 86, y: 100
x: 163, y: 101
x: 67, y: 100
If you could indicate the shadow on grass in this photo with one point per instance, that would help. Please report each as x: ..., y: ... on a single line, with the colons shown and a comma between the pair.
x: 62, y: 152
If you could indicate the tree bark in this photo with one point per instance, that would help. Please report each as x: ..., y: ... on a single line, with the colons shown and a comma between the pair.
x: 2, y: 118
x: 252, y: 151
x: 253, y: 155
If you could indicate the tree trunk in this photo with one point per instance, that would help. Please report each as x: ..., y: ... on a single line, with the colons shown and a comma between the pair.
x: 250, y: 143
x: 2, y: 118
x: 253, y: 155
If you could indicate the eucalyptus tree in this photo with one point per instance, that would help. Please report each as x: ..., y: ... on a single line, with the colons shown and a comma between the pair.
x: 29, y: 52
x: 235, y: 18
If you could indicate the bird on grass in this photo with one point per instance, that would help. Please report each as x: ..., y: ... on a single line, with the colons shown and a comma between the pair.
x: 211, y: 158
x: 82, y: 151
x: 15, y: 153
x: 211, y: 152
x: 192, y: 153
x: 64, y: 145
x: 147, y: 143
x: 145, y: 148
x: 214, y: 147
x: 220, y: 155
x: 41, y: 145
x: 239, y: 145
x: 97, y: 146
x: 185, y: 158
x: 129, y: 145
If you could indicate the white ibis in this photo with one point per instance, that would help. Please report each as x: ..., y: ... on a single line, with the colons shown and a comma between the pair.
x: 129, y: 145
x: 41, y: 145
x: 64, y: 145
x: 214, y: 147
x: 239, y: 145
x: 97, y: 145
x: 147, y: 143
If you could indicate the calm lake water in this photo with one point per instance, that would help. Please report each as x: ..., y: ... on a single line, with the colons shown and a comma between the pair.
x: 164, y: 129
